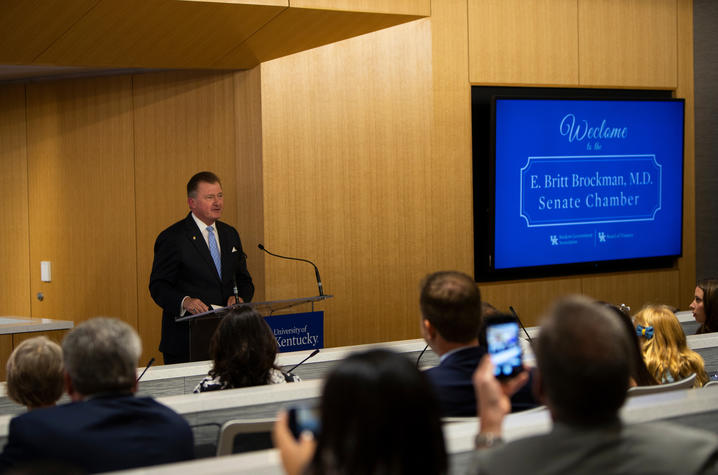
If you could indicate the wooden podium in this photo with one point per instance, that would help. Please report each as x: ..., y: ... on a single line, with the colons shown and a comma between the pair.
x: 203, y: 325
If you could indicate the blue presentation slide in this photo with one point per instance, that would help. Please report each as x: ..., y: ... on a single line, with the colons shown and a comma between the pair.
x: 587, y: 180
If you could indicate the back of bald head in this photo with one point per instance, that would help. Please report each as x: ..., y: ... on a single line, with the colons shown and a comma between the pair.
x: 585, y: 361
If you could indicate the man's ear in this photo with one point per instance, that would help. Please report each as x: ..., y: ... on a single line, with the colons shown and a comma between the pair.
x: 427, y: 329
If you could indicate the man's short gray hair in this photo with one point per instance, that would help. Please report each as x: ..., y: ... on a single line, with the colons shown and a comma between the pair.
x: 584, y: 356
x: 101, y: 355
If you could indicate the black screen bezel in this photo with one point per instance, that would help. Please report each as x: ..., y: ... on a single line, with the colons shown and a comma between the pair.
x: 483, y: 137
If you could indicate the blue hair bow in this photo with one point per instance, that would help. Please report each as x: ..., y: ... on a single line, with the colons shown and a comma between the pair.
x: 646, y: 332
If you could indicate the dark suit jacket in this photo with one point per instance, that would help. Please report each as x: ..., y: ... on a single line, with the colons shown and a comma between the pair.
x: 452, y: 381
x: 110, y: 432
x: 183, y: 267
x: 455, y: 389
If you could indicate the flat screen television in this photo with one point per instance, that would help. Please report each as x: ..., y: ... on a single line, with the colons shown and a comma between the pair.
x: 577, y: 182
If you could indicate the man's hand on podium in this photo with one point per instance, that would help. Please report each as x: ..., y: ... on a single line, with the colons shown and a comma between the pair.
x: 194, y: 306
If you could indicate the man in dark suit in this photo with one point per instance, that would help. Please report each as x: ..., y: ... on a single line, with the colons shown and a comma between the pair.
x: 450, y: 318
x: 198, y: 263
x: 450, y: 304
x: 105, y: 427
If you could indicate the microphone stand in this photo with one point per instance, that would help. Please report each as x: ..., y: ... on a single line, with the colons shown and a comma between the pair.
x: 152, y: 360
x: 305, y: 359
x: 516, y: 315
x: 316, y: 269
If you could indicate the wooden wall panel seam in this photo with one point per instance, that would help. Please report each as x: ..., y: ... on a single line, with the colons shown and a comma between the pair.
x: 241, y: 45
x: 578, y: 42
x: 139, y: 283
x: 27, y: 202
x: 64, y: 33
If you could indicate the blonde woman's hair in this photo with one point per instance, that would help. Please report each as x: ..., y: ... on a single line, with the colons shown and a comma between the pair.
x: 35, y: 373
x: 667, y: 352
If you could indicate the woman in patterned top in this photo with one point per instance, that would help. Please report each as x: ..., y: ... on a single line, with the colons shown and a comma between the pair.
x: 243, y: 349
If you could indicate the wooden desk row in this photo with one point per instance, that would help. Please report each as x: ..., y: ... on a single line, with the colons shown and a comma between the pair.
x: 256, y: 402
x: 172, y: 380
x: 694, y: 407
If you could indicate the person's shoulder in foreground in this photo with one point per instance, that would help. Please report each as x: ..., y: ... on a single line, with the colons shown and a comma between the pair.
x: 105, y: 427
x: 104, y: 433
x: 651, y: 448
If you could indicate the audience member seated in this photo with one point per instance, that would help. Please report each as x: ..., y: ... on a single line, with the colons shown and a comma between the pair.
x: 378, y: 415
x: 640, y: 376
x: 105, y: 427
x: 705, y: 305
x: 34, y: 373
x: 584, y: 365
x: 664, y: 345
x: 243, y: 350
x: 451, y: 308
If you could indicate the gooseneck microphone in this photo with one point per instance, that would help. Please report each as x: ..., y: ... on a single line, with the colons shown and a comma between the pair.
x: 152, y: 360
x: 316, y: 270
x: 305, y: 359
x: 235, y: 291
x: 516, y: 315
x: 421, y: 354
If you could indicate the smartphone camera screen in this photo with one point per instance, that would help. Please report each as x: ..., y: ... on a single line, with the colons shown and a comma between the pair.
x: 502, y: 338
x: 303, y: 418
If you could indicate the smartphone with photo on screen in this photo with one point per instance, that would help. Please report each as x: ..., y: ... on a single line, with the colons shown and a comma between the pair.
x: 504, y: 345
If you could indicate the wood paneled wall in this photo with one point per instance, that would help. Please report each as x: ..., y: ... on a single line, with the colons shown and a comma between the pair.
x: 250, y: 175
x: 630, y: 43
x: 15, y: 241
x: 414, y: 7
x: 347, y: 168
x: 523, y: 41
x: 449, y: 231
x: 82, y: 198
x: 356, y: 155
x: 587, y: 43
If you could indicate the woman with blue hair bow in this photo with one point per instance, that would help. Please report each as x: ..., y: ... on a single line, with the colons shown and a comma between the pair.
x: 664, y: 346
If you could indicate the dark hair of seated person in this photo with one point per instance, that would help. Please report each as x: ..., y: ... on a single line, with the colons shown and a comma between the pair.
x: 243, y: 349
x: 379, y: 415
x: 639, y: 370
x: 710, y: 305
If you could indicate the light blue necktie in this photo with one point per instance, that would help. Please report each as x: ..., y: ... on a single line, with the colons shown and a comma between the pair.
x: 214, y: 251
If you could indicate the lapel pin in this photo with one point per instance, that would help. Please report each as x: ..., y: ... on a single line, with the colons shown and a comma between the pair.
x: 194, y: 237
